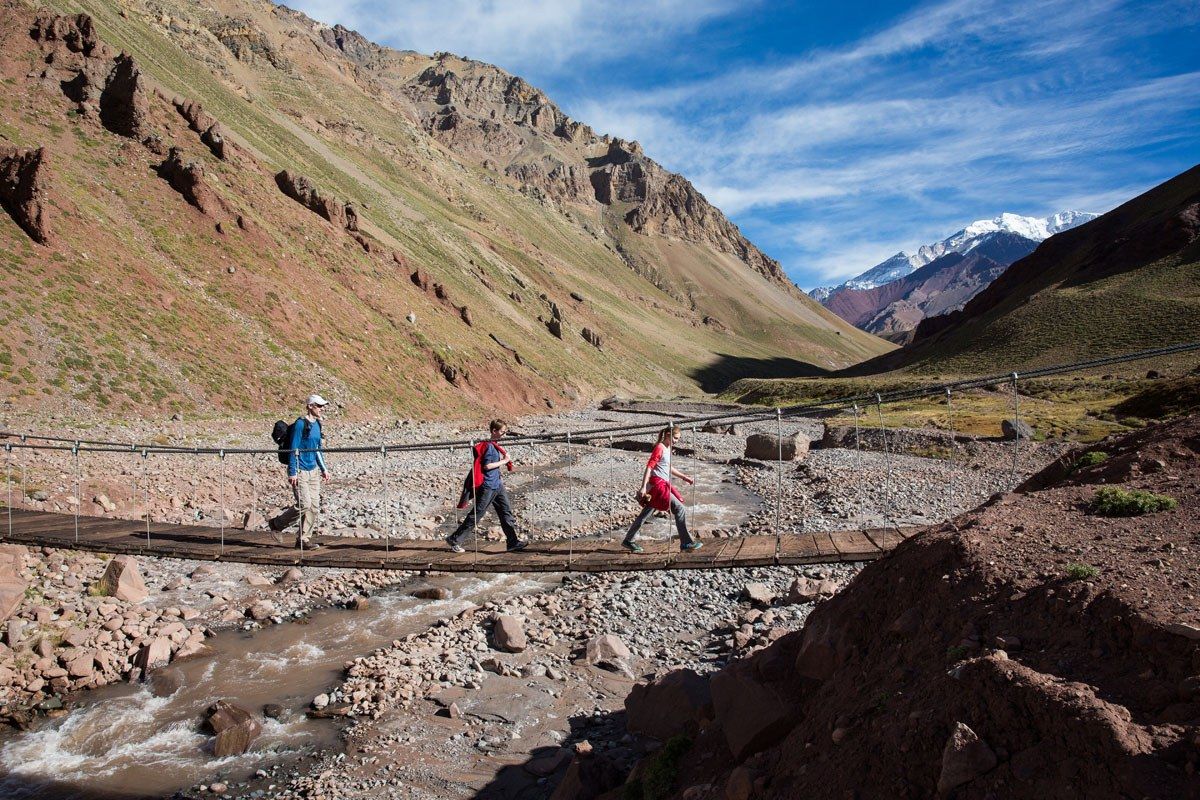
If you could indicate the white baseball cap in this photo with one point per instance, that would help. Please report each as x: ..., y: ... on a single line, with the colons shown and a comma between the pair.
x: 316, y: 400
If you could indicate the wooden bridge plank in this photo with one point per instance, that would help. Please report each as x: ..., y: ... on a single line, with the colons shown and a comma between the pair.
x: 199, y: 542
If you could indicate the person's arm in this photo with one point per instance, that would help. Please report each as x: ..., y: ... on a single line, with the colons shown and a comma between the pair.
x: 679, y: 474
x: 496, y: 464
x: 321, y: 464
x: 293, y: 446
x: 655, y: 456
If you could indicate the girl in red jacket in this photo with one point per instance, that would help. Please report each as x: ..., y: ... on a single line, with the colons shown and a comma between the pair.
x: 657, y: 493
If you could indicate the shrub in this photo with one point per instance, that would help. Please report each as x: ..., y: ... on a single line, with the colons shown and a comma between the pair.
x: 1111, y: 501
x: 1090, y: 459
x: 957, y: 652
x: 659, y: 777
x: 1081, y: 572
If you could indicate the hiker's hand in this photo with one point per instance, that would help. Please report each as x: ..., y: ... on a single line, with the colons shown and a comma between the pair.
x: 689, y: 480
x: 293, y: 479
x: 324, y: 476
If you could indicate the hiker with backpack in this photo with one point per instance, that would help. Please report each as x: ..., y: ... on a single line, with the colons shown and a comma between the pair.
x: 658, y: 494
x: 300, y: 448
x: 484, y: 487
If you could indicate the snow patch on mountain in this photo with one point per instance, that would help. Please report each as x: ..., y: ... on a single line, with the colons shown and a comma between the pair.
x: 1036, y: 229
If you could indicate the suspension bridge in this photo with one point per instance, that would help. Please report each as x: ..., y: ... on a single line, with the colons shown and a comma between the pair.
x: 147, y: 537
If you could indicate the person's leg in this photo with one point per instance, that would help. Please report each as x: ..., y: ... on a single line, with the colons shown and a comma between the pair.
x: 680, y: 514
x: 288, y: 516
x: 309, y: 491
x: 483, y: 498
x: 637, y: 523
x: 507, y: 521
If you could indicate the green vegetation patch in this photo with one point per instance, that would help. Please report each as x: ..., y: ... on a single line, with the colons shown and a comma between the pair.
x: 1081, y: 572
x: 658, y: 781
x: 1112, y: 501
x: 1089, y: 459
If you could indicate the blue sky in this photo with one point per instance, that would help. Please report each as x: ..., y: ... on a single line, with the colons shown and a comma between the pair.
x: 836, y: 134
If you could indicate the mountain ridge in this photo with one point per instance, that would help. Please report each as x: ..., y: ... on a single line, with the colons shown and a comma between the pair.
x: 260, y: 151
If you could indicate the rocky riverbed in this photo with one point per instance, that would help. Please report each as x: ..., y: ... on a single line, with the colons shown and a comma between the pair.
x: 66, y: 636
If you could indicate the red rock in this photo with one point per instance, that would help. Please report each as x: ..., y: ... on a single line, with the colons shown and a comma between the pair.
x: 122, y: 580
x: 964, y: 758
x: 675, y: 704
x: 25, y: 190
x: 235, y: 728
x: 508, y: 634
x: 752, y: 716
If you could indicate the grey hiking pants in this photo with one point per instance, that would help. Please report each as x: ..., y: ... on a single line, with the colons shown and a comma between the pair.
x: 677, y: 511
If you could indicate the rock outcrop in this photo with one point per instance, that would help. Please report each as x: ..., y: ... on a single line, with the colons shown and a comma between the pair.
x: 123, y: 102
x: 499, y: 119
x: 187, y: 178
x: 25, y: 190
x: 212, y: 135
x: 83, y: 67
x: 306, y: 193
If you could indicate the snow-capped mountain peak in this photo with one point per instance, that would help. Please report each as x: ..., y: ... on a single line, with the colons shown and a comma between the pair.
x: 1036, y: 229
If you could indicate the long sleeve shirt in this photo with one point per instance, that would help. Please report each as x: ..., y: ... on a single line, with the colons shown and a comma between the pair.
x: 310, y: 456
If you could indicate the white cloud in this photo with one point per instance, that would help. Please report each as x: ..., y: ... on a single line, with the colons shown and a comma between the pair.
x: 521, y: 34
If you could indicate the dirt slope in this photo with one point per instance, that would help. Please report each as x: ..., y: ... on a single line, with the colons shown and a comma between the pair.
x: 134, y: 279
x: 975, y: 662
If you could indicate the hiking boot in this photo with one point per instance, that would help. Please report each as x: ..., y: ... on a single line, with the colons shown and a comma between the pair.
x: 632, y: 547
x: 455, y: 547
x: 692, y: 546
x: 516, y: 548
x: 308, y: 544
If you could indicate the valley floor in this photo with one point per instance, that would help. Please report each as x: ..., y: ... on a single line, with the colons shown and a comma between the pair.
x: 436, y: 710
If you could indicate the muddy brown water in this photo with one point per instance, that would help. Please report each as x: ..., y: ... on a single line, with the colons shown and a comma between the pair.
x: 145, y: 740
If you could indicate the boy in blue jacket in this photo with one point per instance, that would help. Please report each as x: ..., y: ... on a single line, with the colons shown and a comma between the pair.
x: 306, y: 470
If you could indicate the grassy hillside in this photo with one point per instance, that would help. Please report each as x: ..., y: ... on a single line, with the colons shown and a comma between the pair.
x: 140, y: 301
x: 1125, y: 281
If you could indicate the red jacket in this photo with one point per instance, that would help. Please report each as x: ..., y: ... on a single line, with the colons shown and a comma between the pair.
x: 474, y: 478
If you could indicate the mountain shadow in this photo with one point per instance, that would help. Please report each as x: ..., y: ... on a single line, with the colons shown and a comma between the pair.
x: 718, y: 375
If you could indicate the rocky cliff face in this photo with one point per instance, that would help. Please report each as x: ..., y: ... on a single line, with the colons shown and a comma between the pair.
x: 507, y: 124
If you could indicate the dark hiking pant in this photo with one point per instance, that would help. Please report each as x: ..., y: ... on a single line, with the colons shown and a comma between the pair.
x: 485, y: 498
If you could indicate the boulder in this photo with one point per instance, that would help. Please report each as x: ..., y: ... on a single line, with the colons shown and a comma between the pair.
x: 964, y: 758
x: 25, y: 190
x: 807, y: 590
x: 508, y: 634
x: 253, y: 521
x: 608, y: 652
x: 153, y: 655
x: 197, y: 118
x: 264, y: 609
x: 291, y: 575
x: 257, y: 580
x: 675, y: 704
x: 1016, y: 429
x: 12, y: 587
x: 769, y: 447
x: 588, y: 776
x: 592, y: 338
x: 431, y: 593
x: 122, y: 580
x: 235, y: 728
x: 759, y: 594
x: 751, y: 715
